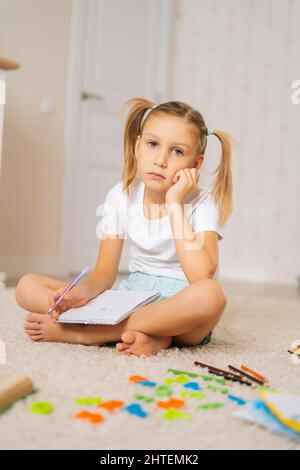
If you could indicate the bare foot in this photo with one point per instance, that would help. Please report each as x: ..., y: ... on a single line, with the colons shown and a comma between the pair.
x: 140, y: 344
x: 40, y: 327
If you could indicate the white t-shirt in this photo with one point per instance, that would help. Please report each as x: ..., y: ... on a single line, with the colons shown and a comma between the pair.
x: 152, y: 244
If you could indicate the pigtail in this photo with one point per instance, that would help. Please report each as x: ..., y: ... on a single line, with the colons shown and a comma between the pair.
x: 222, y: 187
x: 138, y: 107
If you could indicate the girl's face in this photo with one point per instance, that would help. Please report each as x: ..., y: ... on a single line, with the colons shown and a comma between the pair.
x: 167, y: 145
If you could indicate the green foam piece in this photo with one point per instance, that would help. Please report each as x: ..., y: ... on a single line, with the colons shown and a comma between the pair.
x: 172, y: 413
x: 264, y: 388
x: 181, y: 379
x: 192, y: 394
x: 42, y: 407
x: 211, y: 387
x: 207, y: 378
x: 164, y: 391
x: 169, y: 381
x: 214, y: 388
x: 220, y: 381
x: 210, y: 406
x: 182, y: 372
x: 144, y: 398
x: 88, y: 400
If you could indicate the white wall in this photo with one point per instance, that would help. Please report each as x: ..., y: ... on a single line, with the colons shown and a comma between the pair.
x: 232, y: 59
x: 36, y: 34
x: 235, y: 61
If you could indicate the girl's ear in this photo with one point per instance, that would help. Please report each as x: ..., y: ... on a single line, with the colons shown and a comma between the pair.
x: 198, y: 162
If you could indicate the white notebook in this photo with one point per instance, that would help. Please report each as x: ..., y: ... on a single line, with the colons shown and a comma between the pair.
x: 110, y: 307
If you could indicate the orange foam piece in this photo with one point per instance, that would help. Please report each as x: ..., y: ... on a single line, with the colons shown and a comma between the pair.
x: 171, y: 403
x: 138, y: 378
x: 111, y: 405
x: 89, y: 416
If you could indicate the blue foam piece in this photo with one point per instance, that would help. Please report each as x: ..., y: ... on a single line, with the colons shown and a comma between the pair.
x: 238, y: 400
x: 136, y: 409
x: 147, y: 383
x: 193, y: 386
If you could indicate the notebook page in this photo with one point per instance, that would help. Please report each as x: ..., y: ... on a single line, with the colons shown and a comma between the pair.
x: 110, y: 307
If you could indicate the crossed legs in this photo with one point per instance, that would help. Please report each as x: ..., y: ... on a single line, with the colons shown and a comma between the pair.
x: 184, y: 318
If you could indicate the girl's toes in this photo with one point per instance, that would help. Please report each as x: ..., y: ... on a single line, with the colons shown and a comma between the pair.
x: 34, y: 317
x: 31, y: 326
x: 37, y: 337
x: 33, y: 331
x: 121, y: 346
x: 128, y: 337
x: 124, y: 352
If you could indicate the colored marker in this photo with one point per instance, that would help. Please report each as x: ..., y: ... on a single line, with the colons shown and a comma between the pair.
x: 258, y: 381
x: 256, y: 374
x: 224, y: 373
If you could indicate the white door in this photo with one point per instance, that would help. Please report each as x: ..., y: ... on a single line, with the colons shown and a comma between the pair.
x: 120, y: 50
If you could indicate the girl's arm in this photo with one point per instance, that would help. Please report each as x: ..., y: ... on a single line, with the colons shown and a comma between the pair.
x: 197, y: 253
x: 106, y: 270
x: 101, y: 278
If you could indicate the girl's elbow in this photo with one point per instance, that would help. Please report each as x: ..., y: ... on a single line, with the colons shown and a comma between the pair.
x: 199, y: 276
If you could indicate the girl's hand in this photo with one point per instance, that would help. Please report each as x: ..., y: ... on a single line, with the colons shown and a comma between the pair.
x: 76, y: 297
x: 184, y: 183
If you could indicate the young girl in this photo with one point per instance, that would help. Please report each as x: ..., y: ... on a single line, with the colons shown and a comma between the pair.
x: 173, y: 227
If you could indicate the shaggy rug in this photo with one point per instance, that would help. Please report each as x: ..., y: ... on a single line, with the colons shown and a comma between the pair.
x: 255, y: 331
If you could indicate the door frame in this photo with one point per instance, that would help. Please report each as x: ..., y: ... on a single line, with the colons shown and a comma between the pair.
x: 74, y: 84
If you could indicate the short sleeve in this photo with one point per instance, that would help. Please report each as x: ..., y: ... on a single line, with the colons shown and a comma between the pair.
x: 205, y: 217
x: 114, y: 211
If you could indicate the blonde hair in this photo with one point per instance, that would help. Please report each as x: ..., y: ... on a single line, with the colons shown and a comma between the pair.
x: 222, y: 188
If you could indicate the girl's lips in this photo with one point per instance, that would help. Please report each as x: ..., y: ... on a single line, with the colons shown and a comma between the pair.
x: 155, y: 175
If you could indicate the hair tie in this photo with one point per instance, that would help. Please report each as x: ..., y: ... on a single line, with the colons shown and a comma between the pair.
x: 209, y: 131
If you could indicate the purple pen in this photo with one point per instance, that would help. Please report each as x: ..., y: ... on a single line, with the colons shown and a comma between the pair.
x: 69, y: 287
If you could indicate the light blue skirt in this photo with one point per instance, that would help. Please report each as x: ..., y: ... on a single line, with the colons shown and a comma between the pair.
x: 167, y: 286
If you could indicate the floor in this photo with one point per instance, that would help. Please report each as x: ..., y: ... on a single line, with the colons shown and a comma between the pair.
x: 258, y: 326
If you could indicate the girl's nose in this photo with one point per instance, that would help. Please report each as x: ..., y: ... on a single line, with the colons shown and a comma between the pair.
x: 161, y: 160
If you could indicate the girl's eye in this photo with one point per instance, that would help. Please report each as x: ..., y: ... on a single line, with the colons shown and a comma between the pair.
x: 181, y: 153
x: 151, y: 142
x: 153, y: 146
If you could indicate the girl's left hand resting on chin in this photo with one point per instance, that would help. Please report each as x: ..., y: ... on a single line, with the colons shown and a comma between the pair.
x: 185, y: 182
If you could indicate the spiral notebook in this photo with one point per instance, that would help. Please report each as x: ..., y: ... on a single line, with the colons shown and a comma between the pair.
x: 110, y: 307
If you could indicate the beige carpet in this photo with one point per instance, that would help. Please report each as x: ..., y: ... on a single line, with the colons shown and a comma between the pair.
x: 254, y: 330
